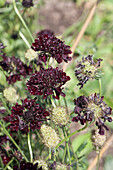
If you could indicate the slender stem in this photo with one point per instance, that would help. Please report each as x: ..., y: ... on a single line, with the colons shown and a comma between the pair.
x: 5, y: 105
x: 49, y: 153
x: 1, y: 162
x: 29, y: 144
x: 22, y: 20
x: 7, y: 133
x: 9, y: 163
x: 25, y: 40
x: 99, y: 86
x: 98, y: 160
x: 64, y: 154
x: 54, y: 154
x: 65, y: 104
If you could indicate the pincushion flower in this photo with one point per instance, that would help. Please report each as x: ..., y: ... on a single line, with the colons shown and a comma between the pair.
x: 15, y: 68
x: 28, y: 114
x: 53, y: 47
x: 87, y: 69
x: 92, y: 108
x: 27, y: 166
x: 27, y: 3
x: 47, y: 81
x: 10, y: 94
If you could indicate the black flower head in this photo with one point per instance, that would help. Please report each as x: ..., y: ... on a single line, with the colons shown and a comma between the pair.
x: 53, y: 47
x: 15, y: 68
x: 48, y: 32
x: 92, y: 108
x: 29, y: 114
x: 27, y: 166
x: 87, y: 69
x: 47, y: 81
x: 27, y: 3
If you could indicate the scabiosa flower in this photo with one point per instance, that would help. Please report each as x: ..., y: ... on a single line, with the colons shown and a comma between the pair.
x: 10, y: 94
x: 48, y: 32
x: 92, y: 108
x: 97, y: 140
x: 31, y: 54
x: 28, y: 114
x: 87, y: 69
x: 27, y: 3
x: 27, y: 166
x: 15, y: 68
x: 49, y: 136
x: 60, y: 116
x: 47, y: 81
x: 53, y: 47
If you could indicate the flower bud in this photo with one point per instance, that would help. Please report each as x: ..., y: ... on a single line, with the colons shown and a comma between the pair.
x: 10, y: 95
x: 97, y: 139
x: 49, y: 136
x: 31, y: 54
x: 60, y: 116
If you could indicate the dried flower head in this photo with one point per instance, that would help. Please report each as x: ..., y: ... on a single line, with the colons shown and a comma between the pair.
x: 87, y: 69
x: 28, y: 114
x: 97, y: 139
x: 52, y: 46
x: 61, y: 167
x: 92, y: 108
x: 60, y: 116
x: 31, y: 54
x: 11, y: 95
x: 15, y: 68
x: 47, y: 82
x: 42, y: 163
x: 49, y: 136
x: 27, y: 3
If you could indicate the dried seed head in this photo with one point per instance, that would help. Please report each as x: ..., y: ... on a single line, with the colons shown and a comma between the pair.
x: 31, y: 54
x: 61, y: 166
x: 60, y: 116
x: 97, y: 139
x: 49, y: 136
x: 10, y: 94
x: 42, y: 163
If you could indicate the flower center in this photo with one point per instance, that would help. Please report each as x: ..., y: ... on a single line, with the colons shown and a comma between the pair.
x: 97, y: 110
x: 89, y: 68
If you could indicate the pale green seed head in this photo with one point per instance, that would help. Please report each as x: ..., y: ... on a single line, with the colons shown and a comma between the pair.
x: 30, y: 54
x: 42, y: 163
x: 10, y: 95
x: 61, y: 167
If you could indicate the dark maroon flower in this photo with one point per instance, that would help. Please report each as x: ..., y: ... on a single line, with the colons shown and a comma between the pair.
x: 48, y: 32
x: 27, y: 166
x: 52, y: 46
x: 27, y: 3
x: 92, y: 108
x: 29, y: 114
x: 15, y: 68
x: 47, y: 81
x: 87, y: 69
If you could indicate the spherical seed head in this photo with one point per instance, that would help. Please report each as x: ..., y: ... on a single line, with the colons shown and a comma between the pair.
x: 42, y: 163
x: 97, y: 139
x: 10, y: 95
x: 31, y: 54
x: 60, y: 116
x: 61, y: 167
x: 49, y: 136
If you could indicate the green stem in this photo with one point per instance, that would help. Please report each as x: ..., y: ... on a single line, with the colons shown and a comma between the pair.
x: 2, y: 165
x: 64, y: 154
x: 98, y: 161
x: 22, y: 20
x: 5, y: 105
x: 99, y: 86
x: 54, y: 154
x: 7, y: 133
x: 9, y: 163
x: 25, y: 40
x: 65, y: 104
x: 29, y: 144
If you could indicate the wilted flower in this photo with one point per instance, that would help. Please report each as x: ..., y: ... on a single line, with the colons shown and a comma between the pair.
x: 27, y: 166
x: 49, y: 136
x: 29, y: 114
x: 27, y: 3
x: 92, y: 108
x: 42, y: 163
x: 10, y: 94
x: 97, y: 140
x: 87, y: 69
x: 53, y: 47
x: 15, y: 68
x: 47, y: 81
x: 60, y: 116
x: 31, y: 54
